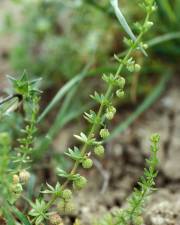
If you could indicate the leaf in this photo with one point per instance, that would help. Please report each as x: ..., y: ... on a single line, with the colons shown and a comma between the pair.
x: 21, y: 216
x: 62, y: 91
x: 123, y: 22
x: 8, y: 216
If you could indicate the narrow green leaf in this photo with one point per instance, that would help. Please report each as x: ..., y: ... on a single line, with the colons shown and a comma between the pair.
x: 21, y: 216
x: 9, y: 218
x: 60, y: 94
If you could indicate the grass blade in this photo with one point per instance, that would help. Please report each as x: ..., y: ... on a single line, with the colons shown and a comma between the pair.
x: 60, y: 94
x: 20, y: 216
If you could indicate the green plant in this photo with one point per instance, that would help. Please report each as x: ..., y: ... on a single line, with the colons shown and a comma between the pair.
x: 60, y: 195
x: 132, y: 214
x: 16, y: 162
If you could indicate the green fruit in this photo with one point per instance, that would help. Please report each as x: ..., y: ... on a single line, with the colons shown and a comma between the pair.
x: 69, y: 208
x: 67, y: 194
x: 104, y: 133
x: 87, y: 163
x: 99, y: 150
x: 80, y: 182
x: 61, y: 206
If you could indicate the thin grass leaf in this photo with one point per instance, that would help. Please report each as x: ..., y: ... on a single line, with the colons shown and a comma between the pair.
x: 9, y: 218
x: 123, y: 22
x: 60, y: 94
x: 21, y: 216
x: 163, y: 38
x: 165, y: 6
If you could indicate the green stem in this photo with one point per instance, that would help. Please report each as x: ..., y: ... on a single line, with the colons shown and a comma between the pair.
x: 94, y: 127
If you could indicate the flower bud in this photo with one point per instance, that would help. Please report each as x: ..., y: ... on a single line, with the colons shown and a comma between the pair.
x: 15, y: 179
x: 99, y: 150
x: 61, y: 206
x: 87, y: 163
x: 155, y: 138
x: 110, y: 111
x: 104, y: 133
x: 55, y: 219
x: 137, y: 68
x: 121, y: 82
x: 17, y: 188
x: 120, y: 93
x: 66, y: 207
x: 80, y: 182
x: 67, y: 194
x: 69, y: 208
x: 24, y: 176
x: 153, y: 8
x: 145, y: 46
x: 109, y: 115
x: 149, y: 24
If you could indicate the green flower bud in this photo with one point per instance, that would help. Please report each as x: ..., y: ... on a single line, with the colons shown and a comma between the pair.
x: 120, y: 93
x: 67, y: 194
x: 110, y: 111
x: 80, y: 182
x: 149, y: 24
x: 24, y: 176
x: 17, y: 188
x: 155, y: 138
x: 139, y: 220
x: 121, y: 82
x: 99, y: 150
x: 69, y: 208
x: 104, y: 133
x: 65, y: 207
x: 61, y: 206
x: 109, y: 115
x: 16, y: 179
x: 153, y: 8
x: 145, y: 46
x: 137, y: 68
x: 87, y: 163
x: 130, y: 67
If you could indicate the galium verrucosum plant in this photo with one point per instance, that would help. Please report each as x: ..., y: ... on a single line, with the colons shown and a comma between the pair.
x: 60, y: 195
x: 132, y: 214
x: 17, y: 162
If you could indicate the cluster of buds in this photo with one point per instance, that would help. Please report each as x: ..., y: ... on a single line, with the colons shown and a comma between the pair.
x: 132, y: 66
x: 18, y: 181
x: 55, y: 219
x: 110, y: 112
x: 121, y: 85
x: 66, y: 205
